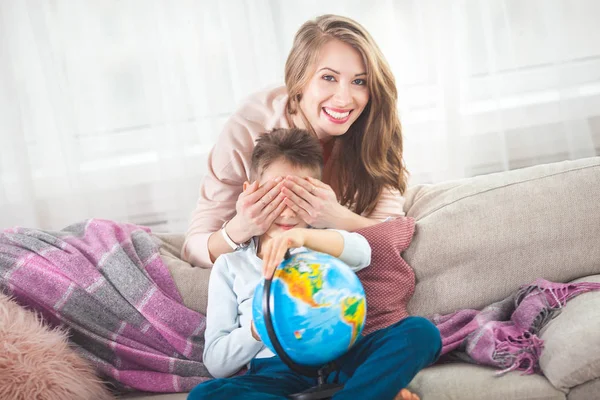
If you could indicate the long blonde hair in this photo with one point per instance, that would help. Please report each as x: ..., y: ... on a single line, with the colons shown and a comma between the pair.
x: 369, y: 155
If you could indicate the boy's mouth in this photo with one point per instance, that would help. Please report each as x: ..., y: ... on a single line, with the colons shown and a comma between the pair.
x: 285, y: 227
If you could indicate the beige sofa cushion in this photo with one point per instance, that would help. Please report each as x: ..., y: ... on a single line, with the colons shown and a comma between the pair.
x: 478, y: 239
x: 587, y: 391
x: 192, y: 282
x: 571, y: 354
x: 474, y: 382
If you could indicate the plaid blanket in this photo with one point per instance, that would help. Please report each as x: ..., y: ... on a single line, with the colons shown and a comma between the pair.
x: 504, y: 334
x: 107, y: 284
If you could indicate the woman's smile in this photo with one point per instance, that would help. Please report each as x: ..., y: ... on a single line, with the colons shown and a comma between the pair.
x: 336, y: 115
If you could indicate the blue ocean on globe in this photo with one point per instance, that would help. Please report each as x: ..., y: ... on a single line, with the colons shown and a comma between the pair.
x: 318, y: 308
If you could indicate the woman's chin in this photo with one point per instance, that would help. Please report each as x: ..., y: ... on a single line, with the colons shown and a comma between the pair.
x: 330, y: 129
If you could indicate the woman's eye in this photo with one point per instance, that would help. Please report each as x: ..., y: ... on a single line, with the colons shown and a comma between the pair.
x: 360, y: 82
x: 329, y: 78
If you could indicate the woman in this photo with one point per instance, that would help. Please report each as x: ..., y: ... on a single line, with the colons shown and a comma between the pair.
x: 339, y: 87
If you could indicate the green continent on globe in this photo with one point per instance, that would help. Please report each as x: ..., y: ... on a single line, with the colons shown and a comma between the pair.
x: 353, y: 313
x: 303, y: 285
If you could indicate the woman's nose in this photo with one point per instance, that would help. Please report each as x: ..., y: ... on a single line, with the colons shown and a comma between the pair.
x: 342, y: 96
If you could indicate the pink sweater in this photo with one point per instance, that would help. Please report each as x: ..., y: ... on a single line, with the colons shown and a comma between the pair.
x: 229, y: 167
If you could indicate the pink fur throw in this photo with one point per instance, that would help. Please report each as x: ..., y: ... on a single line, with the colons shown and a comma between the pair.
x: 36, y: 361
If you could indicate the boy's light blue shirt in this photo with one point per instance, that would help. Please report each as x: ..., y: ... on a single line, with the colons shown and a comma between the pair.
x: 229, y: 344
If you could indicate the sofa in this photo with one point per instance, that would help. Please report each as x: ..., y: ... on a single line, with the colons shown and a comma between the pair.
x: 476, y: 241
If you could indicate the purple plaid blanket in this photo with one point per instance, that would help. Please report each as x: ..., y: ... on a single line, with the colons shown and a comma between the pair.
x: 504, y: 334
x: 108, y: 285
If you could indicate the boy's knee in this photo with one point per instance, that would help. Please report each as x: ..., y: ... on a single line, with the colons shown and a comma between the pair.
x: 424, y: 327
x: 422, y: 331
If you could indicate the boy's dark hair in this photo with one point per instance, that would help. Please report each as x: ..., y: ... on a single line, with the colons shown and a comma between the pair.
x: 296, y: 146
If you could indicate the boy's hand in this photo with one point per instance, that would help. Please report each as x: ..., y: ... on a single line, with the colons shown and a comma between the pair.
x: 275, y: 249
x: 254, y: 333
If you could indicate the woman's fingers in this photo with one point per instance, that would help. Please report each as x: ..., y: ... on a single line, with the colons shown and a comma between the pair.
x: 264, y: 194
x: 298, y: 200
x: 275, y: 211
x: 261, y: 208
x: 306, y: 217
x: 300, y: 206
x: 318, y: 183
x: 269, y: 212
x: 301, y: 187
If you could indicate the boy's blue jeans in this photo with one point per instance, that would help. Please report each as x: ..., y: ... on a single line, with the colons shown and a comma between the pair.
x: 378, y: 366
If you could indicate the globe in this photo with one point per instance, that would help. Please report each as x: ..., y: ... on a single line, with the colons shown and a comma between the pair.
x: 318, y: 308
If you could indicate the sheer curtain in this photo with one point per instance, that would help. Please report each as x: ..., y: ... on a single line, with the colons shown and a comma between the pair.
x: 109, y: 108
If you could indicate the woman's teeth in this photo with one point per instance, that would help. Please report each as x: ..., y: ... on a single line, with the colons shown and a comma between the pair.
x: 336, y: 115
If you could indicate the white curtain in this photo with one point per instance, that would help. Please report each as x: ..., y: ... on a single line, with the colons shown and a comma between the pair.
x: 109, y: 108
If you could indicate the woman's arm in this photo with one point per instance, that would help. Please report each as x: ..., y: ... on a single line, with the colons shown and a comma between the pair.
x: 350, y: 221
x: 221, y: 199
x: 218, y: 194
x: 228, y: 169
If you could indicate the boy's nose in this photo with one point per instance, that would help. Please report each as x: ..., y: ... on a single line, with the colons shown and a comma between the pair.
x: 288, y: 212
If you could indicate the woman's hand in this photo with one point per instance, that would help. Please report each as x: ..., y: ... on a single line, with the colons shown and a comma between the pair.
x: 256, y: 209
x: 275, y: 249
x: 314, y: 201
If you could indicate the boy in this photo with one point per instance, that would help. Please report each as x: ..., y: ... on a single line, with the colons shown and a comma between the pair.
x: 231, y: 342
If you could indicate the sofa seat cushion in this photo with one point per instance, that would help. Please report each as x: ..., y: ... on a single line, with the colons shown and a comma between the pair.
x: 478, y: 239
x: 461, y: 381
x: 587, y: 391
x: 571, y: 354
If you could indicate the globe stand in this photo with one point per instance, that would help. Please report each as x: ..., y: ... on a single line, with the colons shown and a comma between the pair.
x: 322, y: 390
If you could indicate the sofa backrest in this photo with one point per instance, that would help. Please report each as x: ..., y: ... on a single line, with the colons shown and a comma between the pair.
x: 478, y: 239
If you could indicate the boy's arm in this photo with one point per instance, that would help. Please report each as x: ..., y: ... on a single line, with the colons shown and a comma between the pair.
x: 356, y: 251
x: 227, y: 347
x: 351, y: 248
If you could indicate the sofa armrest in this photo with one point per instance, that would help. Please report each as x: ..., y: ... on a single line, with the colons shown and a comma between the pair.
x: 571, y: 354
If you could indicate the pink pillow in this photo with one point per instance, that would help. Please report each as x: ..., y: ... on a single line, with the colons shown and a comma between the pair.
x: 389, y: 282
x: 36, y: 362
